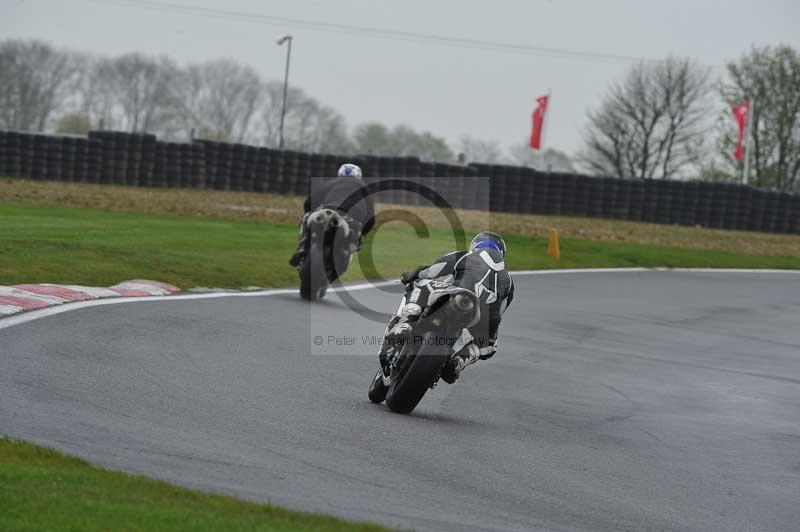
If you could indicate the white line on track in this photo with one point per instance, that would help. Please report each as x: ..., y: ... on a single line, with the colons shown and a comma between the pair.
x: 32, y: 315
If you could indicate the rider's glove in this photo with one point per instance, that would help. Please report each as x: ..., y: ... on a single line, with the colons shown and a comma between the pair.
x: 411, y: 276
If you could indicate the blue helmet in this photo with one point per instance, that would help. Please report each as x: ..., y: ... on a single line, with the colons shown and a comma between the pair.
x: 488, y: 240
x: 349, y: 169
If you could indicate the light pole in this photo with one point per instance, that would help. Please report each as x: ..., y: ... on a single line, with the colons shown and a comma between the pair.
x: 280, y: 42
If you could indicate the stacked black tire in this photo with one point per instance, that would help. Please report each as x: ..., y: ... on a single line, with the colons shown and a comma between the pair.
x: 141, y: 160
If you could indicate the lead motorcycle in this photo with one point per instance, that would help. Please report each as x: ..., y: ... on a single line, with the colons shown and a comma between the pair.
x: 417, y: 360
x: 331, y: 240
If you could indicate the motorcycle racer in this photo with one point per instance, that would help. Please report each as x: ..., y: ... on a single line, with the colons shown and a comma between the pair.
x: 346, y: 194
x: 481, y: 270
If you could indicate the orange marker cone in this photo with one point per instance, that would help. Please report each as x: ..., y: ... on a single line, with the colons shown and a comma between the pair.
x: 553, y: 249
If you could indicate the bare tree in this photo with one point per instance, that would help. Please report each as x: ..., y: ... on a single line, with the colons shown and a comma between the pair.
x: 373, y: 138
x: 652, y: 124
x: 132, y: 93
x: 93, y: 95
x: 309, y: 125
x: 480, y: 151
x: 35, y: 79
x: 220, y: 99
x: 318, y: 128
x: 771, y: 77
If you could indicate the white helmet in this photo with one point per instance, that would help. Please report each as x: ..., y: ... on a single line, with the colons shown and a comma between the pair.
x: 349, y: 169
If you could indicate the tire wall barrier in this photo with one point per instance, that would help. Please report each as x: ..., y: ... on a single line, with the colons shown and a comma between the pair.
x: 136, y: 159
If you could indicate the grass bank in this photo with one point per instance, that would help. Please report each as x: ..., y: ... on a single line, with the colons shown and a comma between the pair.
x: 41, y: 489
x: 287, y: 209
x: 58, y: 244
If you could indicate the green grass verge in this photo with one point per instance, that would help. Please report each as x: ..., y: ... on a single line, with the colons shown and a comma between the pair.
x: 52, y: 244
x: 41, y: 489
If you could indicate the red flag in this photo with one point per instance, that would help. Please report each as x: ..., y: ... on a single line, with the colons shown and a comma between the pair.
x: 538, y: 121
x: 740, y: 114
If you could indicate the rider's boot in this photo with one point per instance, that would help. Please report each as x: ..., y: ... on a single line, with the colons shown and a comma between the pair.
x: 300, y: 254
x: 453, y: 368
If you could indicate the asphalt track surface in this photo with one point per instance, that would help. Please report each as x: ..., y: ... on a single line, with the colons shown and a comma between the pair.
x: 618, y: 401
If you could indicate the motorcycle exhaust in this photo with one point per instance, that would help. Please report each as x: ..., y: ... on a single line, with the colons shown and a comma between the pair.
x: 327, y: 217
x: 465, y: 306
x: 463, y: 302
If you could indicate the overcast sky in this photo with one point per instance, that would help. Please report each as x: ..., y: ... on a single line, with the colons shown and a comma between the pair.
x: 448, y: 90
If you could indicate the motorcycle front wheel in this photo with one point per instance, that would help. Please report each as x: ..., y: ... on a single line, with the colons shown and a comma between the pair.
x: 377, y: 389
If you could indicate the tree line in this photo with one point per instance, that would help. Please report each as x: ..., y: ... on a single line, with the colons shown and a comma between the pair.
x: 64, y: 91
x: 672, y: 119
x: 46, y: 88
x: 663, y: 119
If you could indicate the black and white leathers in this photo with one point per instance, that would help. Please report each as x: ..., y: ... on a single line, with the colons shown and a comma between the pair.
x: 347, y: 194
x: 483, y: 272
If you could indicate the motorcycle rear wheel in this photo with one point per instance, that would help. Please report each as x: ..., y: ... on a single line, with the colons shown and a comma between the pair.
x: 313, y: 279
x: 406, y: 391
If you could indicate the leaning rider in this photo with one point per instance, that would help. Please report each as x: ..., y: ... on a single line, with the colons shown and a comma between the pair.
x: 481, y: 270
x: 347, y: 194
